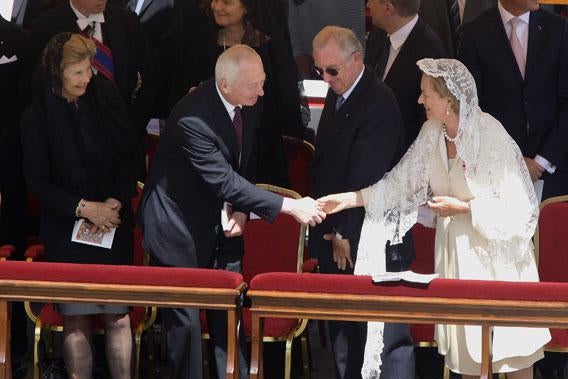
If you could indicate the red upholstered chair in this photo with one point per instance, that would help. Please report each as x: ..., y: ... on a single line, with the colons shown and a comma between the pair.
x: 423, y: 334
x: 49, y: 320
x: 551, y: 250
x: 299, y: 156
x: 152, y: 141
x: 276, y: 247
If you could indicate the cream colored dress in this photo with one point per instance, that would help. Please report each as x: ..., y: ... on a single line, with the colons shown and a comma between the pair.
x: 461, y: 253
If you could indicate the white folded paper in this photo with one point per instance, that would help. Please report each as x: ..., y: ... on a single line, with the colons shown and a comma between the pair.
x: 407, y: 276
x: 4, y: 59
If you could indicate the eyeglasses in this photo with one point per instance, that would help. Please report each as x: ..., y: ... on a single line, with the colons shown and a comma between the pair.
x: 331, y: 71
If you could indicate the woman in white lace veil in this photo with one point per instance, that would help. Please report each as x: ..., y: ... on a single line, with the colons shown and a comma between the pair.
x: 469, y: 172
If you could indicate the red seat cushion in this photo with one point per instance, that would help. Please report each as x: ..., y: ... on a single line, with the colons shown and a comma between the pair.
x: 443, y: 288
x: 117, y: 274
x: 273, y: 327
x: 559, y: 339
x: 422, y: 332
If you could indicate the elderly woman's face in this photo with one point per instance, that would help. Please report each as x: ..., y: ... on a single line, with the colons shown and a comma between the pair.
x: 434, y: 104
x: 228, y: 13
x: 75, y: 78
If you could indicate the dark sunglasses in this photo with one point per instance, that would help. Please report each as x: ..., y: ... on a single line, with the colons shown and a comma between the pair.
x: 331, y: 71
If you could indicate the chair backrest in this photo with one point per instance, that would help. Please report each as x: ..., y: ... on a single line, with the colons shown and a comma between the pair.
x: 551, y: 240
x: 424, y: 248
x: 139, y: 256
x: 276, y: 247
x: 299, y: 155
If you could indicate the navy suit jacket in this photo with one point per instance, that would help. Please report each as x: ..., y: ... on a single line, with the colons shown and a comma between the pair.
x: 355, y: 147
x: 435, y: 14
x: 194, y: 171
x: 533, y: 110
x: 404, y: 75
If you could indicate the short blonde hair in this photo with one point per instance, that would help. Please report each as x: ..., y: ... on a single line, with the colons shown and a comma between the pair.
x: 77, y: 49
x: 439, y: 86
x: 229, y: 62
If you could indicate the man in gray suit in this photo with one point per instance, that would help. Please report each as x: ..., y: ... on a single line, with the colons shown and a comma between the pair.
x: 438, y: 14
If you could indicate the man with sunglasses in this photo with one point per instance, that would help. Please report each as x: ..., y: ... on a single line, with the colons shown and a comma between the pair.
x: 359, y: 138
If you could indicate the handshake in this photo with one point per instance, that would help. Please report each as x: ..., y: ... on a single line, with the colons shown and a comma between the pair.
x: 304, y: 210
x: 310, y: 211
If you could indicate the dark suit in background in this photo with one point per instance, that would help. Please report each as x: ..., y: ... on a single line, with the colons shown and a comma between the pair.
x: 14, y: 97
x: 435, y: 13
x: 196, y: 168
x: 355, y: 147
x: 403, y: 77
x: 156, y: 17
x: 533, y: 110
x: 123, y: 34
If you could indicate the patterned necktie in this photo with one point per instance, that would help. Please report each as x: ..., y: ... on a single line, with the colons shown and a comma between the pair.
x: 383, y: 58
x: 455, y: 21
x: 516, y: 46
x: 339, y: 102
x: 103, y: 61
x: 238, y: 127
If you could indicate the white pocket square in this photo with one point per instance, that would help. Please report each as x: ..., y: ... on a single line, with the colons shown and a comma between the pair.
x: 4, y: 59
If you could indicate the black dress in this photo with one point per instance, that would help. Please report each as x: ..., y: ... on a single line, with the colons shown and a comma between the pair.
x: 47, y: 178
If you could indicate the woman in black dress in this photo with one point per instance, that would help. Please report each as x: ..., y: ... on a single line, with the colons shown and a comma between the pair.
x: 80, y: 159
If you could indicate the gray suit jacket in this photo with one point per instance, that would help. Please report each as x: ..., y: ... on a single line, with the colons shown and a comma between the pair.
x: 435, y: 13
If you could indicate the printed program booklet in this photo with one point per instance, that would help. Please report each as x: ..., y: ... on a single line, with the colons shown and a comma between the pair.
x: 82, y: 234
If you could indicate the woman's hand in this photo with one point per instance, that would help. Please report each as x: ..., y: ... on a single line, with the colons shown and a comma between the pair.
x: 103, y: 216
x: 446, y: 206
x: 337, y: 202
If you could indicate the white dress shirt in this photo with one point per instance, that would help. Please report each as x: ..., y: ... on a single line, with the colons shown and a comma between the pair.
x: 523, y: 35
x: 98, y: 34
x: 397, y: 39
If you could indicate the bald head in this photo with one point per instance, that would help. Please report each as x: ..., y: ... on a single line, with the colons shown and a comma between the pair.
x: 239, y: 75
x: 230, y: 62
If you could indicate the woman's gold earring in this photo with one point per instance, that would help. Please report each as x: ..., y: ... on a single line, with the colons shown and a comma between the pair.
x: 448, y: 110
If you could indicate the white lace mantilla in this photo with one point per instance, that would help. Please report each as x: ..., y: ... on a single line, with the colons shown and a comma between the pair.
x: 504, y: 209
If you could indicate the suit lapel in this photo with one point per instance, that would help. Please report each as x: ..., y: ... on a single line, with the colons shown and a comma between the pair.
x: 496, y: 32
x: 249, y: 121
x: 536, y: 32
x: 332, y: 122
x: 145, y: 6
x: 70, y: 18
x: 223, y: 127
x: 400, y: 64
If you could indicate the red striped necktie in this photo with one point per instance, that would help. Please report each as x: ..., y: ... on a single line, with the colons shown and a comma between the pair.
x: 103, y: 61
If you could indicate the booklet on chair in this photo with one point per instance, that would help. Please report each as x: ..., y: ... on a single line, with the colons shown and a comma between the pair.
x: 407, y: 276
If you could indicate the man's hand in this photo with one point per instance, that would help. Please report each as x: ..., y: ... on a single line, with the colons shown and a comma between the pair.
x: 341, y: 251
x: 303, y: 210
x: 236, y: 224
x: 535, y: 170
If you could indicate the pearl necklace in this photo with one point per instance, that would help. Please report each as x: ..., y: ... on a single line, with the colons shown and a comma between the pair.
x: 447, y: 137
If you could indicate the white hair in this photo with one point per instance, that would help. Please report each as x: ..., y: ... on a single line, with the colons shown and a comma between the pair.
x: 229, y: 62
